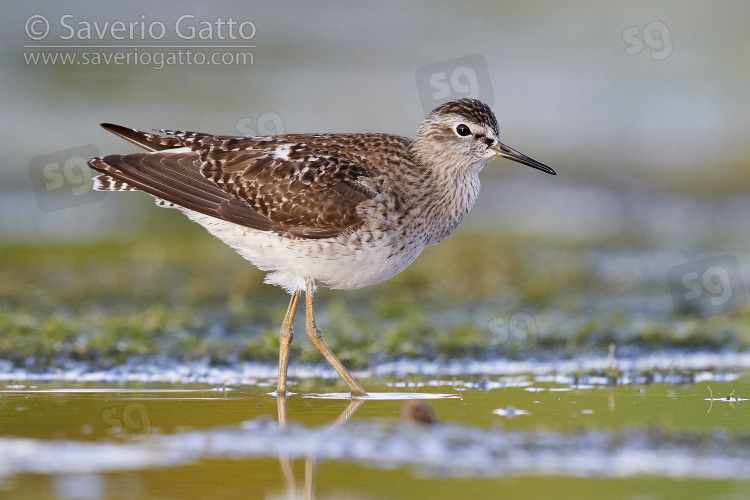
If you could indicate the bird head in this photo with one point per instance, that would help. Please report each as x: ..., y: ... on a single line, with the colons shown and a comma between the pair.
x: 464, y: 135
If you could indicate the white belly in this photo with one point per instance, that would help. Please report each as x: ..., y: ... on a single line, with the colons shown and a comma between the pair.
x: 348, y: 261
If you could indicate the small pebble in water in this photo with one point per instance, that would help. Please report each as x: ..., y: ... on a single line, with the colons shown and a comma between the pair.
x: 419, y: 412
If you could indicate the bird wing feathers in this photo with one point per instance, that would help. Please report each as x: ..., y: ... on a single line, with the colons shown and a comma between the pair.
x: 295, y: 185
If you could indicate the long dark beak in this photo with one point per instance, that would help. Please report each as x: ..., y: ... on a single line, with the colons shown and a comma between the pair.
x: 504, y: 151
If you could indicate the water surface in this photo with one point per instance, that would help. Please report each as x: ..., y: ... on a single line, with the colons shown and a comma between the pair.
x: 67, y: 439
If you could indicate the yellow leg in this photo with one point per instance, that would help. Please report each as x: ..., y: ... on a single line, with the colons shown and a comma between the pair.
x: 285, y: 339
x: 316, y: 336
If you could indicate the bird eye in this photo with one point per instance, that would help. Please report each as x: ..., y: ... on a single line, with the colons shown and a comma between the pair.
x: 463, y: 130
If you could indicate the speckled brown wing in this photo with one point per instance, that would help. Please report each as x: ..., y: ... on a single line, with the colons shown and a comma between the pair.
x: 295, y: 185
x: 291, y: 180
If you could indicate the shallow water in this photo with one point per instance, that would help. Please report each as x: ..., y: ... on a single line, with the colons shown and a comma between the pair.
x: 495, y: 433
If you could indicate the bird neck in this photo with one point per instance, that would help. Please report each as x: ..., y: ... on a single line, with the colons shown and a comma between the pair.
x: 453, y: 200
x: 453, y: 188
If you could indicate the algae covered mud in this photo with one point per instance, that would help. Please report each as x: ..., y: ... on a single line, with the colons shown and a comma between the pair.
x: 137, y: 369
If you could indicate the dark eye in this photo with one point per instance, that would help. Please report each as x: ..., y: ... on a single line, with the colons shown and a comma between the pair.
x: 463, y: 130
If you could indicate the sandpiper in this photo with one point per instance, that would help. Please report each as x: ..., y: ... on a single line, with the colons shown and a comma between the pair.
x: 341, y: 211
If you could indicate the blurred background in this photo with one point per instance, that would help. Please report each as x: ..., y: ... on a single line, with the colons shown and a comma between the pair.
x: 642, y: 108
x: 618, y: 280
